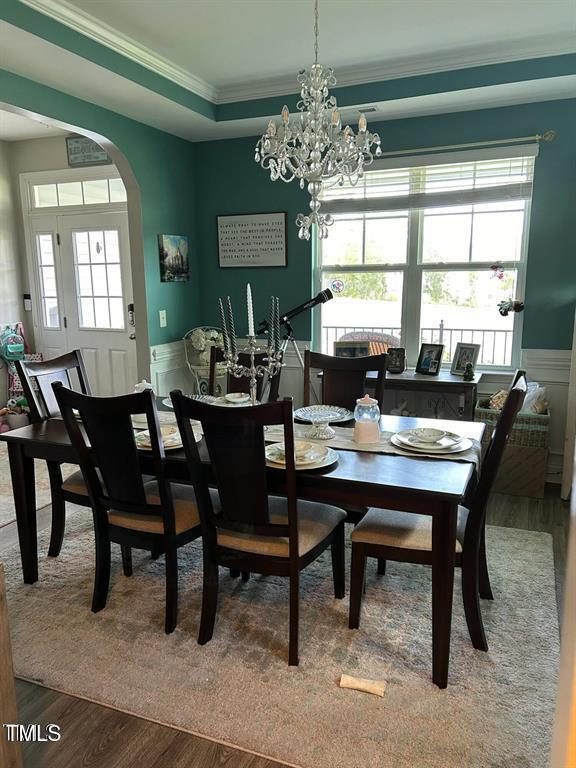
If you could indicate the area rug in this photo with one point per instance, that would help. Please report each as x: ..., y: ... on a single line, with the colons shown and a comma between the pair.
x: 496, y: 713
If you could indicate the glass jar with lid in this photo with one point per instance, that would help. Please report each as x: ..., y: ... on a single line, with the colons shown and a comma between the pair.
x: 367, y: 415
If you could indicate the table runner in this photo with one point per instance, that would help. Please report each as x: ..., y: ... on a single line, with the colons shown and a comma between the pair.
x: 343, y: 441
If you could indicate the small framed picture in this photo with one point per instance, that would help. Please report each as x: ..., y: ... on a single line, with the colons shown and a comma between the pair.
x: 351, y: 348
x: 396, y: 360
x: 430, y: 359
x: 464, y: 354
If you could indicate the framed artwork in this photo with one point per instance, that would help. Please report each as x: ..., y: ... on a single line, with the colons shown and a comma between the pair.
x: 252, y: 240
x: 173, y: 255
x: 351, y: 348
x: 430, y: 359
x: 464, y: 354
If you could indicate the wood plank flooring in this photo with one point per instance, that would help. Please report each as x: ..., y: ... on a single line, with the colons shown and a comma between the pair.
x: 94, y: 736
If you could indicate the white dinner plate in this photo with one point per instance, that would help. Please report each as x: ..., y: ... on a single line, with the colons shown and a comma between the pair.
x: 167, y: 402
x: 330, y: 458
x: 409, y: 438
x: 464, y: 445
x: 170, y: 438
x: 223, y: 402
x: 305, y: 453
x: 330, y: 413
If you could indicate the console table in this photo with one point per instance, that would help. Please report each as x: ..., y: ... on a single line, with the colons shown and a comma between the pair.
x: 444, y: 383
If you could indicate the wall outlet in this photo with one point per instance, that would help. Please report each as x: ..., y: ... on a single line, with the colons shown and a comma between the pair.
x: 162, y: 315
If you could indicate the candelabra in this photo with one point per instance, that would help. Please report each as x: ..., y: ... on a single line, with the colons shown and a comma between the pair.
x: 273, y: 360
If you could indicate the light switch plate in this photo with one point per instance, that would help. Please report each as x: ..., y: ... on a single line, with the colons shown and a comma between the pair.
x: 162, y: 315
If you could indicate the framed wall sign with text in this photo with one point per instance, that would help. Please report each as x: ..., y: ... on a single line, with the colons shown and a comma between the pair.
x: 252, y: 240
x: 82, y: 151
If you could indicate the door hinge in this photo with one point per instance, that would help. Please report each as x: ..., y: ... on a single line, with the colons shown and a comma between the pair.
x: 58, y: 238
x: 65, y: 322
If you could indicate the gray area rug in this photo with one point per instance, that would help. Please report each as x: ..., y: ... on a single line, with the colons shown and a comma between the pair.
x: 496, y: 713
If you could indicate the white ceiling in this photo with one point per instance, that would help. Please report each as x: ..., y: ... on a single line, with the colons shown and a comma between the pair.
x: 15, y: 127
x: 226, y: 46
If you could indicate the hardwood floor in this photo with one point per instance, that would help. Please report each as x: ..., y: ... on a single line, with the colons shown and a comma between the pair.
x: 94, y: 736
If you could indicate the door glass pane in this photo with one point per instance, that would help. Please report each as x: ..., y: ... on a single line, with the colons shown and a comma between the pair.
x: 46, y: 272
x: 114, y: 280
x: 70, y: 193
x: 81, y: 247
x: 99, y: 284
x: 96, y: 247
x: 366, y: 304
x: 117, y: 191
x: 95, y: 191
x: 112, y: 246
x: 462, y: 306
x: 45, y: 195
x: 86, y: 308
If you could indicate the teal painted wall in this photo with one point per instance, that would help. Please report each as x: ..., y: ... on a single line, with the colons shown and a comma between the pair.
x: 231, y: 182
x: 164, y: 167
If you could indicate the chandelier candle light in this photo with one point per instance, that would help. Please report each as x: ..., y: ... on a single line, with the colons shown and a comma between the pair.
x: 314, y: 147
x: 273, y: 361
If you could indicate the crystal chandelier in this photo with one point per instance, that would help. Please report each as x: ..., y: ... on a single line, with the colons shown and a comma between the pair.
x: 314, y: 147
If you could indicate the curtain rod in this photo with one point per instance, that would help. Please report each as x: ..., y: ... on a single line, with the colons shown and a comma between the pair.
x: 546, y: 136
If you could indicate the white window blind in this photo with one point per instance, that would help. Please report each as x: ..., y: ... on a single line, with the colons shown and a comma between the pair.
x: 442, y: 184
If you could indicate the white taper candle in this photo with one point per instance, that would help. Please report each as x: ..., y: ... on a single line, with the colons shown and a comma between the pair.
x: 250, y: 311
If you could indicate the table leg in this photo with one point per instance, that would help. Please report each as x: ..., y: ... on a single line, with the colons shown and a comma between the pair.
x: 443, y: 556
x: 24, y: 489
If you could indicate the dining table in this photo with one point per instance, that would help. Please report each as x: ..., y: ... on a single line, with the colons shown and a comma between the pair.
x: 410, y: 483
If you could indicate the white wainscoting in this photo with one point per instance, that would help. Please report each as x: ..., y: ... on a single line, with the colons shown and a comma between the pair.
x: 550, y: 367
x: 168, y: 369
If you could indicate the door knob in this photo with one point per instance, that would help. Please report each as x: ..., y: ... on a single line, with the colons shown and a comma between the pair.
x: 132, y: 336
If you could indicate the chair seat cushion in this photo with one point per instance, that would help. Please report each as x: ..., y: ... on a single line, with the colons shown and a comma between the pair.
x: 185, y: 511
x: 74, y: 483
x: 315, y: 523
x: 403, y: 530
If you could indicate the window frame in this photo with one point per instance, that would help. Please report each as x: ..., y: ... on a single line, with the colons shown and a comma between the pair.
x: 414, y: 267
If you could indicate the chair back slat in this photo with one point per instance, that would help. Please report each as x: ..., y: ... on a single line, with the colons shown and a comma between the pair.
x: 235, y: 446
x: 37, y: 379
x: 344, y: 378
x: 242, y: 384
x: 494, y: 453
x: 105, y: 440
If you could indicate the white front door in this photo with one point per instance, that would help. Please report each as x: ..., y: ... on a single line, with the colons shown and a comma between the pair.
x: 83, y: 291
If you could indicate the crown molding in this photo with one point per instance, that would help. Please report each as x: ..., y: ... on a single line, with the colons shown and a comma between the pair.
x: 411, y: 66
x: 96, y: 30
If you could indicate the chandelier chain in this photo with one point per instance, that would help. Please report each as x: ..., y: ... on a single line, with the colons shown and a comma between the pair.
x: 313, y: 147
x: 315, y: 31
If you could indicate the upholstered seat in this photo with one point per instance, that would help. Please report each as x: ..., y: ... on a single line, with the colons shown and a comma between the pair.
x: 74, y: 483
x: 185, y: 511
x: 403, y: 530
x: 315, y: 523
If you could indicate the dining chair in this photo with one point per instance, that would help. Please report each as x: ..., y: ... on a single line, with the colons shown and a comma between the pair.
x: 344, y: 378
x: 37, y: 379
x: 242, y: 384
x: 407, y: 537
x: 158, y: 516
x: 243, y: 527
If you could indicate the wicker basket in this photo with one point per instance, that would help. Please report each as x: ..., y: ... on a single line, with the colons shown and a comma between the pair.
x: 523, y: 468
x: 530, y: 429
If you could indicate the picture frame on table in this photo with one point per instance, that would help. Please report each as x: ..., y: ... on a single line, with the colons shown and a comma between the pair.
x: 430, y: 359
x: 351, y: 348
x: 463, y: 354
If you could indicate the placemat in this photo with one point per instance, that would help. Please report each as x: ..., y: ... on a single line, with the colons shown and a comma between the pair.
x: 343, y: 441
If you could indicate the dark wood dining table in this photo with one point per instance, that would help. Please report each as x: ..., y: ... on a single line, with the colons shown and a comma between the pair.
x: 409, y: 483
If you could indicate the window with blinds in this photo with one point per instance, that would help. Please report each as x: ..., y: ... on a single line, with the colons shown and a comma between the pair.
x: 424, y: 248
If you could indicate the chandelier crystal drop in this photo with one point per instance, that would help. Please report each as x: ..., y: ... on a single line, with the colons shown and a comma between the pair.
x: 313, y: 147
